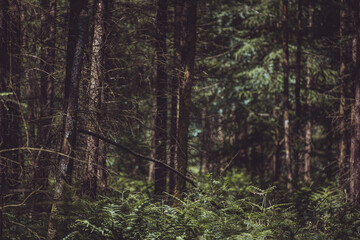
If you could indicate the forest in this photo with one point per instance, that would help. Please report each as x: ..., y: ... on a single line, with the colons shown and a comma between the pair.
x: 179, y: 119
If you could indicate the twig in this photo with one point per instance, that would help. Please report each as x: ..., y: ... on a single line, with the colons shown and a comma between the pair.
x: 138, y: 155
x: 22, y: 203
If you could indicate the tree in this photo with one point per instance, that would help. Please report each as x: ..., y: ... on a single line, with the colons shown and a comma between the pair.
x: 286, y: 103
x: 93, y: 93
x: 47, y: 71
x: 355, y: 139
x: 4, y: 63
x: 342, y: 131
x: 174, y: 115
x: 298, y: 82
x: 75, y: 52
x: 308, y: 133
x: 186, y: 51
x: 161, y: 97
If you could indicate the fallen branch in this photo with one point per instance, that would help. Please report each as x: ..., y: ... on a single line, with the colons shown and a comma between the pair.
x: 138, y: 155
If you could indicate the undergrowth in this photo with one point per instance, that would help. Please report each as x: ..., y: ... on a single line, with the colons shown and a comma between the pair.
x: 224, y: 208
x: 229, y: 207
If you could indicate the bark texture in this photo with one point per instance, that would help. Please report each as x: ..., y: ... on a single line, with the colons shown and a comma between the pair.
x: 174, y: 117
x: 161, y: 97
x: 93, y: 93
x: 342, y: 130
x: 78, y: 14
x: 355, y: 139
x: 286, y: 104
x: 187, y: 54
x: 308, y: 127
x: 47, y: 70
x: 298, y: 113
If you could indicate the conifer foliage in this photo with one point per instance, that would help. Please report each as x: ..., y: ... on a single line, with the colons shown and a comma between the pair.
x: 247, y: 110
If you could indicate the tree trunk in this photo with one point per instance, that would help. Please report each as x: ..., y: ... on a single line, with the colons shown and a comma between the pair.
x: 297, y: 86
x: 174, y: 118
x: 78, y: 14
x: 10, y: 71
x: 308, y: 130
x: 342, y: 131
x: 355, y: 139
x: 47, y: 69
x: 161, y: 97
x: 277, y: 145
x: 93, y: 95
x: 4, y: 74
x: 151, y: 174
x: 204, y: 141
x: 286, y: 104
x: 187, y: 52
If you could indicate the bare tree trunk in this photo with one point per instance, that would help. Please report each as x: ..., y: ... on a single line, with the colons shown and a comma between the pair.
x: 204, y: 141
x: 151, y: 174
x: 187, y: 53
x: 342, y: 132
x: 286, y: 104
x: 10, y: 71
x: 93, y: 95
x: 47, y: 68
x: 13, y: 136
x: 4, y: 75
x: 355, y: 139
x: 161, y: 97
x: 308, y: 128
x: 174, y: 117
x: 78, y: 10
x: 277, y: 145
x: 297, y: 86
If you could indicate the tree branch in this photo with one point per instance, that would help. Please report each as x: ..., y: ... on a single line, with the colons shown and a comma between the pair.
x: 138, y: 155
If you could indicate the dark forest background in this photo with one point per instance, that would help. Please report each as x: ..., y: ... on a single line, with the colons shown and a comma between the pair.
x: 181, y: 119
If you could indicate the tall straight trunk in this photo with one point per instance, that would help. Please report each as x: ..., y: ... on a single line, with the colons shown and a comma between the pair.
x: 174, y: 117
x: 4, y: 75
x: 277, y: 145
x: 93, y: 95
x: 29, y: 88
x: 13, y: 136
x: 297, y: 85
x: 205, y: 138
x: 151, y: 173
x: 355, y: 139
x: 10, y: 70
x: 47, y: 69
x: 103, y: 147
x: 161, y: 97
x: 286, y: 103
x: 187, y: 52
x: 308, y: 130
x: 80, y: 10
x: 342, y: 131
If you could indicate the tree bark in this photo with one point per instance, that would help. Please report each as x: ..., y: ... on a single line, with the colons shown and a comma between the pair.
x: 355, y: 139
x: 297, y: 86
x: 342, y: 131
x: 308, y: 128
x: 4, y: 74
x: 161, y: 97
x: 174, y: 117
x: 93, y: 95
x: 47, y: 69
x: 10, y: 71
x: 286, y: 104
x: 277, y: 145
x: 78, y: 14
x: 187, y: 54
